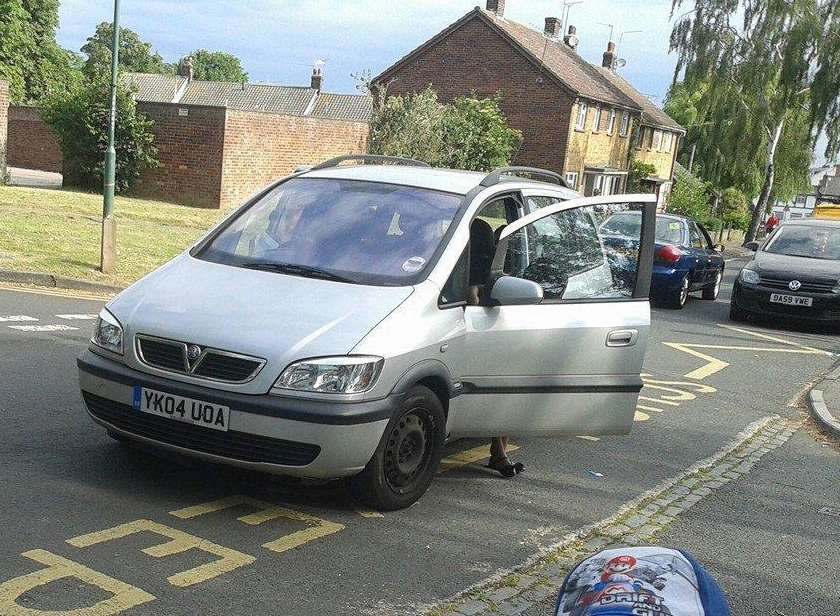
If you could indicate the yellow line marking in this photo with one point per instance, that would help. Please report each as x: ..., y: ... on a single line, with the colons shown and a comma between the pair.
x: 700, y: 388
x: 712, y: 366
x: 750, y: 332
x: 56, y: 293
x: 659, y: 401
x: 649, y: 408
x: 462, y: 458
x: 318, y: 527
x: 589, y: 438
x: 229, y: 559
x: 124, y: 596
x: 365, y: 513
x: 639, y: 416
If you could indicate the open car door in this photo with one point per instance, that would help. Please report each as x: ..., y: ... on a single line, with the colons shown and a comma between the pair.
x: 570, y: 364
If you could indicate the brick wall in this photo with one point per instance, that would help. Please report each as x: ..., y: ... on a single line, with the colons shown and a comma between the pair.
x: 662, y: 159
x: 476, y: 58
x: 260, y: 148
x: 4, y: 117
x: 190, y: 141
x: 31, y: 143
x: 591, y: 148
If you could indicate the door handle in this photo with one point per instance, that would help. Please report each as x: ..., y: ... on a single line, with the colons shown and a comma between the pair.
x: 622, y: 337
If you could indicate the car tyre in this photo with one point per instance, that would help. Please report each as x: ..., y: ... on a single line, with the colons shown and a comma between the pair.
x: 677, y: 298
x: 405, y: 462
x: 736, y: 313
x: 712, y: 292
x: 117, y: 437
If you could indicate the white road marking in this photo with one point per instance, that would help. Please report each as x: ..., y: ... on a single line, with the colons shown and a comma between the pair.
x: 16, y: 318
x: 77, y: 317
x: 42, y: 328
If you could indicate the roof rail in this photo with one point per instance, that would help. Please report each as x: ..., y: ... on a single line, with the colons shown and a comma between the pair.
x: 369, y: 159
x: 497, y: 175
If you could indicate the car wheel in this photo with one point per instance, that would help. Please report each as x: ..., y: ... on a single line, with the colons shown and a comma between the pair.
x: 736, y: 313
x: 712, y: 292
x: 677, y: 298
x: 117, y: 437
x: 404, y: 464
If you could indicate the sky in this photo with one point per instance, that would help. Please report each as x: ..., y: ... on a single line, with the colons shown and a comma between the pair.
x: 278, y: 40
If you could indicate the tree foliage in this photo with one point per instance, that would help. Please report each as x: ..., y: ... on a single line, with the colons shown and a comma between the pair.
x: 216, y: 66
x: 135, y: 55
x: 690, y: 196
x: 470, y: 133
x: 30, y: 59
x: 79, y: 117
x: 768, y: 64
x: 735, y: 208
x: 639, y: 172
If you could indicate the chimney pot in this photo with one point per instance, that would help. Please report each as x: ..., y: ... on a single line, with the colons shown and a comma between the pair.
x: 552, y: 26
x: 497, y: 7
x: 571, y: 38
x: 317, y: 75
x: 609, y: 56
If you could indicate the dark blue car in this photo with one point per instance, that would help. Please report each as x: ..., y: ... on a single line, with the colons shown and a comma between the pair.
x: 686, y: 260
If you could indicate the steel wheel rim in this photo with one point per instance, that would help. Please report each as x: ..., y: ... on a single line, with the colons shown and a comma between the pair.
x: 408, y: 450
x: 684, y: 291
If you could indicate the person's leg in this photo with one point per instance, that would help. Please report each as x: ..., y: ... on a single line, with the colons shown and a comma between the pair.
x: 499, y: 460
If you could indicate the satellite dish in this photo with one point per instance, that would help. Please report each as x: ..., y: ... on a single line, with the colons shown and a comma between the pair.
x: 572, y: 41
x: 620, y: 63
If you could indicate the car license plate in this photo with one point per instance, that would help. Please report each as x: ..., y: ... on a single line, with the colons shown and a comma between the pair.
x: 197, y: 412
x: 790, y: 300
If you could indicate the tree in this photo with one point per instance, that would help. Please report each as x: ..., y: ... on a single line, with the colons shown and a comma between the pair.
x: 639, y: 172
x: 470, y: 133
x: 14, y: 47
x: 216, y: 66
x: 79, y: 117
x: 690, y: 196
x: 735, y: 208
x: 767, y: 63
x: 135, y: 54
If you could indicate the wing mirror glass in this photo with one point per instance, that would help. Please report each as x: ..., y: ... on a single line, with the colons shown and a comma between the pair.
x: 719, y: 247
x: 751, y: 246
x: 512, y: 291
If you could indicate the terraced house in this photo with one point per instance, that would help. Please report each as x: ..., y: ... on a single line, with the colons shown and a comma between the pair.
x: 576, y: 118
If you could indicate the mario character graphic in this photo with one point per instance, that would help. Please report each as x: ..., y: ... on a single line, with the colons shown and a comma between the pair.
x: 623, y: 587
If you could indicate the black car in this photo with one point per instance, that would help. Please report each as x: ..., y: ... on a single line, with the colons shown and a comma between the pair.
x: 795, y: 274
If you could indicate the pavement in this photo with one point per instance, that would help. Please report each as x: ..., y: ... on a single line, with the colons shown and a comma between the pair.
x: 34, y: 178
x: 92, y: 523
x: 824, y: 402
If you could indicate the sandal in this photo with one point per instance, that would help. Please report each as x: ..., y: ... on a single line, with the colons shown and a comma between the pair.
x: 505, y: 468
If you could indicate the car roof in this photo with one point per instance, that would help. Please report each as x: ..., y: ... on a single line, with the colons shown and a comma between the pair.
x: 447, y: 180
x: 811, y: 222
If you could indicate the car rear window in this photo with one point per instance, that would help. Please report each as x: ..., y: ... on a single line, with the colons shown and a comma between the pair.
x: 629, y: 224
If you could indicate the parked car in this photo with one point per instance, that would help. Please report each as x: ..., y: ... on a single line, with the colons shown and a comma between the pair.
x: 796, y: 274
x: 349, y: 319
x: 685, y: 259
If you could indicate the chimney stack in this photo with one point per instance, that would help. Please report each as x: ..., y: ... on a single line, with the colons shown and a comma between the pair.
x: 317, y: 75
x: 186, y: 68
x: 571, y: 38
x: 609, y: 56
x: 552, y: 26
x: 497, y: 7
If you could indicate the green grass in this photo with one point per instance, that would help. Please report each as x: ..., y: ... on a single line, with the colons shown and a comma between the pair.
x: 58, y: 232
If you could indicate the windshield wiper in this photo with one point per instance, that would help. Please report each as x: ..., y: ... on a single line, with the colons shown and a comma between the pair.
x: 296, y: 270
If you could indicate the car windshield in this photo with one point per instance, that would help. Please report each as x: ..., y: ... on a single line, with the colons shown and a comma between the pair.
x: 346, y: 230
x: 629, y: 224
x: 806, y: 241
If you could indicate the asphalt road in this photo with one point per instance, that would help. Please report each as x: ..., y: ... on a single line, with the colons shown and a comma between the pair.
x: 63, y: 479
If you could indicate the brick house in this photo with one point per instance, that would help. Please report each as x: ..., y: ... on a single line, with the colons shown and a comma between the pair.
x: 574, y: 117
x: 219, y: 142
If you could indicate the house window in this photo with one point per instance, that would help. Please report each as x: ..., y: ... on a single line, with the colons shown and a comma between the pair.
x: 667, y: 142
x: 640, y: 137
x: 611, y: 123
x: 572, y: 179
x: 581, y: 117
x: 625, y: 124
x: 656, y: 142
x: 596, y: 125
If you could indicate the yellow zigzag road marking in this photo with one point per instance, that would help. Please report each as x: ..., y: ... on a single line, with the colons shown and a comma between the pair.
x: 462, y: 458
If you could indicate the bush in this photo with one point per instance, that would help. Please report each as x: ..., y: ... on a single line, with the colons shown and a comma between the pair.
x: 639, y: 172
x: 690, y: 197
x: 79, y: 117
x: 735, y: 208
x: 470, y: 133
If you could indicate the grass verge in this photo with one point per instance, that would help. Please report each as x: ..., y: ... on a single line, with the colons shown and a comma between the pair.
x: 58, y: 232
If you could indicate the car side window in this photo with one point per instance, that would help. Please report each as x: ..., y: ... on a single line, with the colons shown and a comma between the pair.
x: 570, y: 257
x: 695, y: 236
x: 454, y: 292
x: 707, y: 239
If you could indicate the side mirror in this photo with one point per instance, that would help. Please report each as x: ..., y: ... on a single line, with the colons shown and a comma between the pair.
x: 751, y: 246
x: 719, y: 247
x: 512, y: 291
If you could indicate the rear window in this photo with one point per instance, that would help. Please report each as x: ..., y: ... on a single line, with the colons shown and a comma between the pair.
x: 361, y: 232
x: 629, y: 224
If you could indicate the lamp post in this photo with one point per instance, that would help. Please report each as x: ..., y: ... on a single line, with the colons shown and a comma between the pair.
x: 109, y: 228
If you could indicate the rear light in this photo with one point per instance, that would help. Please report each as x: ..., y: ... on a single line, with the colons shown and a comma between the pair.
x: 668, y: 254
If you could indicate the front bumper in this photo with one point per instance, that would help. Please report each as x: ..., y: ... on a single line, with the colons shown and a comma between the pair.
x: 289, y: 436
x: 756, y: 299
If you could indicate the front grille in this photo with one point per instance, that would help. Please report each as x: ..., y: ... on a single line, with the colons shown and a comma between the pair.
x: 171, y: 355
x: 230, y: 444
x: 807, y: 286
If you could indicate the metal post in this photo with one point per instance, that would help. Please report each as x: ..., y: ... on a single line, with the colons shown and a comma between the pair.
x: 109, y: 252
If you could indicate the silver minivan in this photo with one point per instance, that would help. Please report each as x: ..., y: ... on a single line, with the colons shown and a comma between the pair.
x: 351, y: 318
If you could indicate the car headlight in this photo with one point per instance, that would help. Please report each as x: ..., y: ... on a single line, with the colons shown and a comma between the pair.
x: 332, y: 375
x: 750, y: 276
x: 108, y: 333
